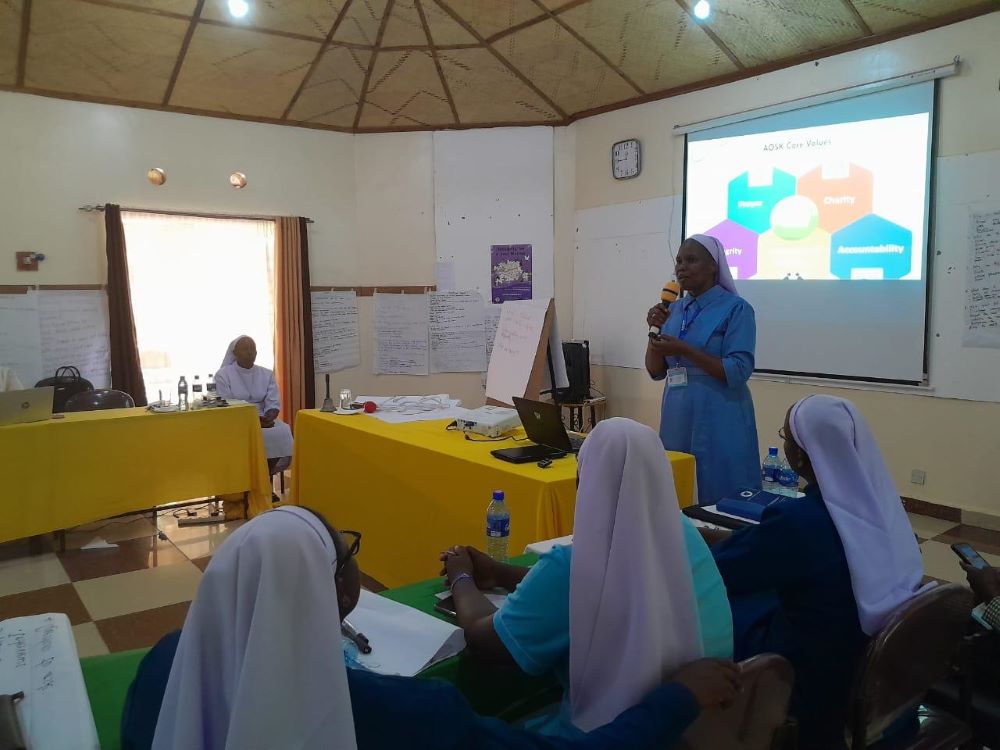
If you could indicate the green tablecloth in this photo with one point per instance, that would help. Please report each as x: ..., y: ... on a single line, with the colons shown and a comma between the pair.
x: 494, y: 691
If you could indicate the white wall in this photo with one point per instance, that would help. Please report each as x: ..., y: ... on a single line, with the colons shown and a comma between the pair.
x: 951, y: 440
x: 59, y: 155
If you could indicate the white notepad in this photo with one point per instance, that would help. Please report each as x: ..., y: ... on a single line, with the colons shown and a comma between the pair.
x: 404, y: 640
x: 38, y: 657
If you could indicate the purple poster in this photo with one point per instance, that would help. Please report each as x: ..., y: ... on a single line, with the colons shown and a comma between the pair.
x: 510, y: 272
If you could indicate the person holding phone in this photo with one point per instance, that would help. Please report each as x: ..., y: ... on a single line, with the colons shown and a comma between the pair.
x: 984, y: 580
x: 820, y: 574
x: 705, y: 352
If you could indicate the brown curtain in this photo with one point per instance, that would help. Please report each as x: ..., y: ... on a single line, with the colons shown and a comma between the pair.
x: 293, y: 346
x: 126, y: 373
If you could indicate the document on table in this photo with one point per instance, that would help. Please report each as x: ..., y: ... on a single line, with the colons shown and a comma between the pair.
x: 401, y: 334
x: 38, y: 657
x: 404, y: 640
x: 399, y: 409
x: 457, y: 325
x: 336, y: 341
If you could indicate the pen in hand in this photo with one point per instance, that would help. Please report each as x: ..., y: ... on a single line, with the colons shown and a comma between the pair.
x: 359, y: 639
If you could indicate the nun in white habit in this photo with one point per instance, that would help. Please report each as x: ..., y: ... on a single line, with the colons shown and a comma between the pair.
x: 239, y: 378
x: 241, y: 680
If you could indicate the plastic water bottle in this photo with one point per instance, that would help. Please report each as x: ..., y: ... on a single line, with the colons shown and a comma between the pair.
x: 497, y: 527
x: 196, y: 391
x: 182, y: 393
x: 770, y: 471
x: 788, y: 479
x: 210, y: 385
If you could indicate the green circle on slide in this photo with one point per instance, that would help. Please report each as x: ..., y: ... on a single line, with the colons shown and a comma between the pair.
x: 794, y: 217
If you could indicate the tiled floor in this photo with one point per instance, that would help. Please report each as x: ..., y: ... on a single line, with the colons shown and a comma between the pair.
x: 131, y: 593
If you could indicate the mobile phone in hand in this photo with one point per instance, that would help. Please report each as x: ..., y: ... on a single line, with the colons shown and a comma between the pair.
x: 969, y: 556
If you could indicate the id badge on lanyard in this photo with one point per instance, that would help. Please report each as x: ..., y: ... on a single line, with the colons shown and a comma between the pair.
x: 677, y: 376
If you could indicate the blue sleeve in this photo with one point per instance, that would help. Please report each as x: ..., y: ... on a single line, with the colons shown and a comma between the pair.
x: 738, y: 345
x: 533, y: 622
x: 775, y: 553
x: 418, y: 714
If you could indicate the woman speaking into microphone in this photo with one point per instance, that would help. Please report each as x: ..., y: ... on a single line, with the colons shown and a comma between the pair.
x: 705, y: 351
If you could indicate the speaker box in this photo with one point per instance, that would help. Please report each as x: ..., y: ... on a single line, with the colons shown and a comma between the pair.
x: 577, y: 356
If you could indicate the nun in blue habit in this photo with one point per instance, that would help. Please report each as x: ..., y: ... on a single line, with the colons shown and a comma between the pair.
x: 705, y: 352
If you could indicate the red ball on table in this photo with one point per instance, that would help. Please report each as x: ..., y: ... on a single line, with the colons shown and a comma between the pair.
x: 370, y: 407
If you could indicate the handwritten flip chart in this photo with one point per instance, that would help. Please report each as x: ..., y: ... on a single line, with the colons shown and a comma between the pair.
x: 514, y: 349
x: 457, y: 324
x: 336, y: 339
x: 401, y: 334
x: 982, y: 294
x: 38, y: 657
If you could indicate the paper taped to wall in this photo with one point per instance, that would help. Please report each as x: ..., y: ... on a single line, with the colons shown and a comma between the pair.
x: 457, y: 324
x: 401, y: 334
x: 20, y: 336
x: 336, y: 339
x: 982, y: 293
x: 75, y: 331
x: 517, y: 340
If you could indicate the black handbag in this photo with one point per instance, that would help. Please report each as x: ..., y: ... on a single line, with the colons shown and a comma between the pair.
x: 67, y: 383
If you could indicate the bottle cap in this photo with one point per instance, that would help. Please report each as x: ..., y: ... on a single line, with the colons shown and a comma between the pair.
x: 498, y: 495
x: 772, y: 451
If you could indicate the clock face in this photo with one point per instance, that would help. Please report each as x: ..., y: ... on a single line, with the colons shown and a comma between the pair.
x: 625, y: 159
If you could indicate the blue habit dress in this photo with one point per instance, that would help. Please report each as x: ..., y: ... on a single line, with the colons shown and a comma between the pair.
x: 710, y: 419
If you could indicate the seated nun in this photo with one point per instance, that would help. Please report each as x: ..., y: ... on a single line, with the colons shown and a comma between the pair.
x: 259, y: 664
x: 239, y: 378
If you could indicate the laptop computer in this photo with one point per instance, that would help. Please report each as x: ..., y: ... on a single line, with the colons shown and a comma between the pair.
x: 543, y: 424
x: 30, y: 405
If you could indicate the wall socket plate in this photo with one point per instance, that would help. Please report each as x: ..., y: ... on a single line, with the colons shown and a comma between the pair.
x: 27, y: 261
x: 918, y: 477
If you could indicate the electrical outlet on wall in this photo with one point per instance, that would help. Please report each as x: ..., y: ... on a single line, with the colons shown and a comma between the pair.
x: 918, y: 477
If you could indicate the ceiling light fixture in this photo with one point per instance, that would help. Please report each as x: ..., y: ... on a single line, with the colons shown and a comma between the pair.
x: 702, y: 9
x: 238, y: 8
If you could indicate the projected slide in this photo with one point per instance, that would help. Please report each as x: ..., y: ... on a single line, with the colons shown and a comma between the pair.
x: 843, y: 201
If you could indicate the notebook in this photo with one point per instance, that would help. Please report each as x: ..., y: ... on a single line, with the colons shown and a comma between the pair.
x: 38, y: 657
x: 404, y: 640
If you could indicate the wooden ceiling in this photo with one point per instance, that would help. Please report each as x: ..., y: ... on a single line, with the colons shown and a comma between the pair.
x: 378, y: 65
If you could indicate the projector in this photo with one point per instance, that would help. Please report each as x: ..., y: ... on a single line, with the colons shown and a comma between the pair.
x: 491, y: 421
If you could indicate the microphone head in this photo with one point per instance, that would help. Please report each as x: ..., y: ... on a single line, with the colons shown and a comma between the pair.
x: 670, y: 292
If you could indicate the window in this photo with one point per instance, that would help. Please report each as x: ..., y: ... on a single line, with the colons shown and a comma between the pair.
x: 197, y: 284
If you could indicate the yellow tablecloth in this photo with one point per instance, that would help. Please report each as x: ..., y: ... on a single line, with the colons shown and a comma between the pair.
x: 413, y: 489
x: 93, y: 465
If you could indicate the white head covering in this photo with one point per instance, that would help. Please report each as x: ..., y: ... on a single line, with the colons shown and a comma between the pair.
x: 718, y: 253
x: 259, y: 664
x: 633, y: 613
x: 882, y: 553
x: 230, y: 357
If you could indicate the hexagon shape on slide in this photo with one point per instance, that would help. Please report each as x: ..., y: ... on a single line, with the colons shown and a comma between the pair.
x: 741, y: 247
x: 841, y: 198
x: 751, y: 201
x: 803, y: 258
x: 871, y: 248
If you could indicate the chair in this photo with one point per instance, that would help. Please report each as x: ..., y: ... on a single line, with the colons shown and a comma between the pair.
x: 916, y: 648
x: 757, y: 720
x: 98, y: 400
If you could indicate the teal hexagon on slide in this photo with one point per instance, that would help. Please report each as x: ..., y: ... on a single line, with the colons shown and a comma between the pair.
x: 751, y: 205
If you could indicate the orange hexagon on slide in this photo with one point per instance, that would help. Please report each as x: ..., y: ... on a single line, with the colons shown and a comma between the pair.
x: 840, y: 200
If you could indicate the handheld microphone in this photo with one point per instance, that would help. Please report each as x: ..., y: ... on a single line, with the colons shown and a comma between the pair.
x: 668, y: 295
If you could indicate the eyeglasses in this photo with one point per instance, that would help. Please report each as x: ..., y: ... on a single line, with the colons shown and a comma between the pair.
x: 352, y: 550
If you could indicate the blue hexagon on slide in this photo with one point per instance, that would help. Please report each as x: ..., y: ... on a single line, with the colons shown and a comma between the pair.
x: 869, y: 245
x: 750, y: 205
